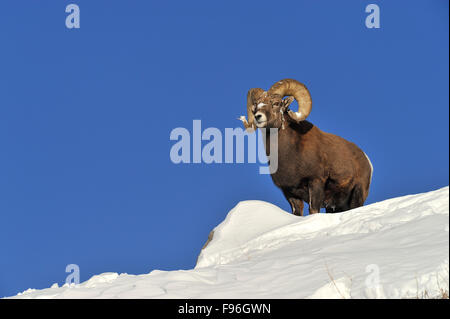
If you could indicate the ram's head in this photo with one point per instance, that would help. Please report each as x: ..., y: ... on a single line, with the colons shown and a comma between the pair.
x: 267, y: 109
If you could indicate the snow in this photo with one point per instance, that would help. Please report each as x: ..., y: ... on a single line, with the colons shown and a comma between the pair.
x: 396, y: 248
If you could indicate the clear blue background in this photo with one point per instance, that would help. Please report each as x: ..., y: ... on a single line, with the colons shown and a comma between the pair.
x: 85, y: 118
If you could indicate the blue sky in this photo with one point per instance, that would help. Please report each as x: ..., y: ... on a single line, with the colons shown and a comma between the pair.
x: 86, y: 115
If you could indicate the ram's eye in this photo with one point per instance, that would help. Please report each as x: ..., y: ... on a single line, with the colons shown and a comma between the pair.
x: 276, y: 104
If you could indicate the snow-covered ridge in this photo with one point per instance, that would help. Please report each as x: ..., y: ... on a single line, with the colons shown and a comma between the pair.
x: 397, y: 248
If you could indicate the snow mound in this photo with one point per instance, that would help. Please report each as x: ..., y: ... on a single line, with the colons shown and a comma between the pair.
x: 397, y: 248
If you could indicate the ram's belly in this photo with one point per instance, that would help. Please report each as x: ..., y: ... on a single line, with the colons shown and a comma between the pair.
x: 291, y: 184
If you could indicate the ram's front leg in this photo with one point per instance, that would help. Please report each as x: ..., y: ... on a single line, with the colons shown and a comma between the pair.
x: 316, y: 196
x: 248, y: 127
x: 296, y: 203
x: 297, y: 206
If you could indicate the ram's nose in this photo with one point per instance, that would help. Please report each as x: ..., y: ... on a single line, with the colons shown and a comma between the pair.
x: 258, y: 117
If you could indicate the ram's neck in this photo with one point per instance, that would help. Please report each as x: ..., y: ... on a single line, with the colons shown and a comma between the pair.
x: 289, y: 137
x: 281, y: 137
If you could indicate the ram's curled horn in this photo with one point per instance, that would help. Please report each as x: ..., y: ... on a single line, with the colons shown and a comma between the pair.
x: 299, y: 92
x: 252, y: 96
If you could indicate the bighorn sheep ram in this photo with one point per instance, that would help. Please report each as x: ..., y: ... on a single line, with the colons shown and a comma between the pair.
x: 319, y: 168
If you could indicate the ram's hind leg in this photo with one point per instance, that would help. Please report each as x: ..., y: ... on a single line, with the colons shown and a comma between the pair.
x: 330, y: 210
x: 357, y: 197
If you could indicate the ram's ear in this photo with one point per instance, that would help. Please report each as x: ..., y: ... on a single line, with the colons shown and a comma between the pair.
x: 287, y: 101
